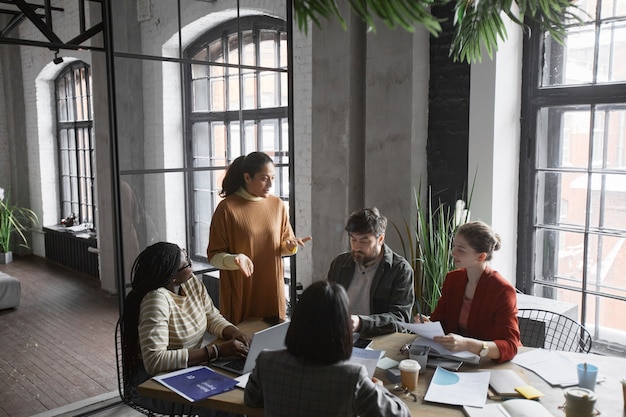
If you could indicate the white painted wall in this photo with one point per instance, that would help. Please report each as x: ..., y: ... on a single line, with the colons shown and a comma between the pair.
x: 495, y: 97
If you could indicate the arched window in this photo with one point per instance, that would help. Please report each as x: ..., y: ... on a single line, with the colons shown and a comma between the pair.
x: 75, y: 142
x: 236, y: 104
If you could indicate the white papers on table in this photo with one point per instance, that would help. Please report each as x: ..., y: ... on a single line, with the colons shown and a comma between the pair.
x: 427, y: 331
x: 367, y: 357
x: 458, y: 388
x: 554, y: 368
x: 436, y: 349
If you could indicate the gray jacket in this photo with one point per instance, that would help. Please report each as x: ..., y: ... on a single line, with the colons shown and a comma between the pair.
x: 287, y: 387
x: 392, y: 293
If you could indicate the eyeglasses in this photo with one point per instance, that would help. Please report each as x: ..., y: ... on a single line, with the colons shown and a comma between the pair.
x: 187, y: 265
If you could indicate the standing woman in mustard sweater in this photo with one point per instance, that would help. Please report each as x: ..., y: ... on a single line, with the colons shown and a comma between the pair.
x: 250, y: 232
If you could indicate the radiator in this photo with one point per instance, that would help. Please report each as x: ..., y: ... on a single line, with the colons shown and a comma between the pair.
x: 71, y: 251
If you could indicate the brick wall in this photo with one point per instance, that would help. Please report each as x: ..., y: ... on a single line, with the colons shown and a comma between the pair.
x: 448, y: 119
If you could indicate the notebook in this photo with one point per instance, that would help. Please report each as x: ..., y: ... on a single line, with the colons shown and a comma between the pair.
x: 272, y: 338
x: 505, y: 381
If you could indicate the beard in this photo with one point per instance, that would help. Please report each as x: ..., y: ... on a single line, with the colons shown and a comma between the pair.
x: 363, y: 259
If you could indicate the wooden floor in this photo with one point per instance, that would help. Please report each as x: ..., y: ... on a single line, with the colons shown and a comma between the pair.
x: 58, y: 346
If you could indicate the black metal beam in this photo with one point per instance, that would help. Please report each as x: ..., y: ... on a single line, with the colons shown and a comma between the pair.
x: 43, y: 22
x: 44, y: 27
x: 94, y: 30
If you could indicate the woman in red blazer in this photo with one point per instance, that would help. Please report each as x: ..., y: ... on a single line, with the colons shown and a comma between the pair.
x: 478, y: 307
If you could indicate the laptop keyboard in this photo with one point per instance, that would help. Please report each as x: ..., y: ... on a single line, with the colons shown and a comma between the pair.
x: 237, y: 364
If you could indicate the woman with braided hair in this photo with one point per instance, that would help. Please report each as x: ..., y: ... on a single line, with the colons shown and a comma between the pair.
x: 165, y: 316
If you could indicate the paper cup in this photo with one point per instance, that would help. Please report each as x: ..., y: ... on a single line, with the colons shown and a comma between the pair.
x: 579, y: 402
x: 409, y: 371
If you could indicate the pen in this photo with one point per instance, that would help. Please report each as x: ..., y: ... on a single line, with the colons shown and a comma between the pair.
x: 419, y: 311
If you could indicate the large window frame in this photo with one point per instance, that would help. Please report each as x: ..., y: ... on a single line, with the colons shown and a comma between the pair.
x: 75, y: 143
x: 547, y: 100
x: 232, y: 71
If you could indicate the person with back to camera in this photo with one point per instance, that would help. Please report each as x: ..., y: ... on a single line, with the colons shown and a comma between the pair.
x: 478, y: 307
x: 165, y: 317
x: 312, y: 376
x: 379, y: 282
x: 249, y: 234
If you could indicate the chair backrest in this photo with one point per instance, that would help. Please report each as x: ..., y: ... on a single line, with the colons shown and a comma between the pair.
x: 122, y: 384
x: 550, y: 330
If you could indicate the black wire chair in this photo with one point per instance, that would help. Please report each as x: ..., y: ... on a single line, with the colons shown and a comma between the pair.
x: 123, y: 385
x: 550, y: 330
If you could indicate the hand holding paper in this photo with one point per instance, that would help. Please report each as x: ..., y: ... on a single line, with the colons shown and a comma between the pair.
x: 427, y: 331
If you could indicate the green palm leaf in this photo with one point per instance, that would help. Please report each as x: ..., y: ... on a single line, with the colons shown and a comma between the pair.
x: 476, y: 22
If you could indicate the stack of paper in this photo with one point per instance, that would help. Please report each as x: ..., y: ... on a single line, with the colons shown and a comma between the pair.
x: 554, y: 368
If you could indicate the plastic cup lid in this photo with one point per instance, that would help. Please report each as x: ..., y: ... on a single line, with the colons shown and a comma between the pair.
x: 581, y: 393
x: 409, y: 365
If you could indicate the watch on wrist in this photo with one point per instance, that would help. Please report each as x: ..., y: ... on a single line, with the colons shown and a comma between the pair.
x: 484, y: 351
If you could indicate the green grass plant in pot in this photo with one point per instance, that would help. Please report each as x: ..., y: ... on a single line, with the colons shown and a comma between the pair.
x: 13, y: 220
x: 427, y: 246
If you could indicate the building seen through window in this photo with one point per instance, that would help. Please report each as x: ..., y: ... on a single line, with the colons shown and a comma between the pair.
x: 574, y: 164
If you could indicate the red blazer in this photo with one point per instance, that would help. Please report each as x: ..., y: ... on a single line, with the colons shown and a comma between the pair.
x: 493, y: 315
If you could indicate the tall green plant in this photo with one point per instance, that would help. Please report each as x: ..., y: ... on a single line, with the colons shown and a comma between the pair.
x: 14, y: 219
x: 427, y: 245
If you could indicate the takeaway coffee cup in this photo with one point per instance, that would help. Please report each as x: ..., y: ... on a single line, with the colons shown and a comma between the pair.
x: 409, y: 371
x: 579, y: 402
x: 587, y: 375
x: 420, y: 354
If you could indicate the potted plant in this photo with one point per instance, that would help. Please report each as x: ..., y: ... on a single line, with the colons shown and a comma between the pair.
x: 427, y: 246
x: 13, y: 219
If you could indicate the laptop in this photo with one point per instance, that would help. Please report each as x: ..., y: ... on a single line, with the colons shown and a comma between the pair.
x: 272, y: 338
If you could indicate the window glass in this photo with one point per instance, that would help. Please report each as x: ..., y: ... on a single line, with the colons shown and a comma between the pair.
x: 242, y: 109
x: 574, y: 167
x: 591, y: 53
x: 75, y: 142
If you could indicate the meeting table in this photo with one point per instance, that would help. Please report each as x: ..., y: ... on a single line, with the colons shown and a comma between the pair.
x: 609, y: 401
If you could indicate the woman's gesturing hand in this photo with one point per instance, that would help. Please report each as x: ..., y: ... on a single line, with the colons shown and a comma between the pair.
x: 245, y: 265
x: 292, y: 244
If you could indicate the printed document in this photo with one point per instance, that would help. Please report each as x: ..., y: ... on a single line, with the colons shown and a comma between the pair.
x: 367, y: 357
x: 458, y: 388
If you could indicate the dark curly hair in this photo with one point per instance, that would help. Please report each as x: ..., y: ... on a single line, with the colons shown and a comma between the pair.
x: 367, y: 220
